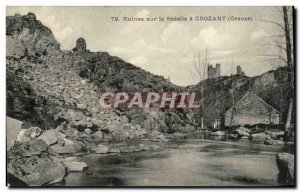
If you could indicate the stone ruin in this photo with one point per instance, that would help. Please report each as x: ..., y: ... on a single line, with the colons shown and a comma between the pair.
x: 239, y: 71
x: 30, y: 16
x: 213, y: 72
x: 80, y: 45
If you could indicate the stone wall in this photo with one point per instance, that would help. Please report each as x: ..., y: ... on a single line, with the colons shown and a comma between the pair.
x: 213, y: 72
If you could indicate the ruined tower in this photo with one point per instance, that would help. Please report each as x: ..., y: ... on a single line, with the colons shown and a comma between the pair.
x: 80, y: 45
x: 239, y: 71
x: 213, y: 72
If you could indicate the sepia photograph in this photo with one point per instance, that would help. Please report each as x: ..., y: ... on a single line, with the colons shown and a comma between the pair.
x: 150, y: 96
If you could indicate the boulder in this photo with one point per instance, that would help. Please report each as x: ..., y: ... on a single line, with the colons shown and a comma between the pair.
x: 242, y: 131
x: 177, y: 135
x: 101, y: 149
x: 14, y: 181
x: 50, y: 136
x: 161, y: 137
x: 244, y: 137
x: 67, y: 142
x: 28, y: 134
x: 97, y: 122
x: 233, y: 136
x: 114, y: 151
x: 156, y: 133
x: 142, y: 146
x: 268, y: 142
x: 88, y: 131
x: 13, y: 127
x: 81, y: 106
x: 143, y: 131
x: 94, y: 110
x: 218, y: 133
x: 97, y: 136
x: 275, y: 135
x: 23, y: 136
x: 259, y: 137
x: 285, y: 163
x: 74, y: 166
x: 70, y: 159
x: 173, y: 146
x: 155, y: 147
x: 66, y: 149
x: 280, y: 134
x: 128, y: 149
x: 278, y: 142
x: 71, y: 132
x: 34, y: 132
x: 34, y: 163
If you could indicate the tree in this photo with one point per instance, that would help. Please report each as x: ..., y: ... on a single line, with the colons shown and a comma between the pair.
x: 291, y: 75
x: 232, y: 94
x: 283, y: 42
x: 198, y: 75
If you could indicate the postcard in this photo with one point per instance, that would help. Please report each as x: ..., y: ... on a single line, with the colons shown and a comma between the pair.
x: 150, y: 96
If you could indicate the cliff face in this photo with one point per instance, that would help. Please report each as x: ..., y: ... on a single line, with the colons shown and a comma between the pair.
x: 27, y: 36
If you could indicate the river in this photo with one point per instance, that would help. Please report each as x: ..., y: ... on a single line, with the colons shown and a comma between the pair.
x: 198, y: 161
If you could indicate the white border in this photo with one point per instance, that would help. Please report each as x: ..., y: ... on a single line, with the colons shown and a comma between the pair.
x: 5, y: 3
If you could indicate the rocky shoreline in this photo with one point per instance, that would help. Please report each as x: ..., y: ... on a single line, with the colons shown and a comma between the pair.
x: 39, y: 157
x: 45, y: 157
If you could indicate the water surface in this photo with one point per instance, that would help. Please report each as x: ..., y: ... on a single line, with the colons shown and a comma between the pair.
x: 200, y: 161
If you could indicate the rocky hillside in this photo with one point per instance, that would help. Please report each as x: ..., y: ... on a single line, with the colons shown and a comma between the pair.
x: 43, y: 89
x: 112, y: 73
x: 63, y: 87
x: 218, y: 92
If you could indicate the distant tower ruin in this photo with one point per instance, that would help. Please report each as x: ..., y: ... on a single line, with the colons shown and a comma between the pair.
x: 80, y: 45
x: 213, y: 72
x: 239, y: 71
x: 169, y: 79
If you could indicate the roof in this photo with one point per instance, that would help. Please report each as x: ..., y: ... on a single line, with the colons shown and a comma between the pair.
x: 245, y: 96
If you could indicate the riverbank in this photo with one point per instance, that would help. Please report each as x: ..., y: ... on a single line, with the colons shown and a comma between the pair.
x: 200, y: 160
x: 69, y: 148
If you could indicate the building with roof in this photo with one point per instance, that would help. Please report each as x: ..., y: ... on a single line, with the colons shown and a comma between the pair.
x: 251, y: 110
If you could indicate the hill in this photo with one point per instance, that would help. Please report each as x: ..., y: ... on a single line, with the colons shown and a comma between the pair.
x: 221, y: 93
x: 59, y: 87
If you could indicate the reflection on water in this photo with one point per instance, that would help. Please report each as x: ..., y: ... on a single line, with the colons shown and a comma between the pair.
x: 199, y: 161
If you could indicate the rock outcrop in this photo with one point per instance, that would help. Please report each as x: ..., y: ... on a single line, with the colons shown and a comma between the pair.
x: 286, y: 167
x: 34, y: 163
x: 35, y: 38
x: 73, y: 164
x: 259, y: 137
x: 50, y: 137
x: 242, y: 132
x: 13, y: 127
x: 28, y: 134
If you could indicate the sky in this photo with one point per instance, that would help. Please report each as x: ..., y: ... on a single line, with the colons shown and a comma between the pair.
x: 169, y: 48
